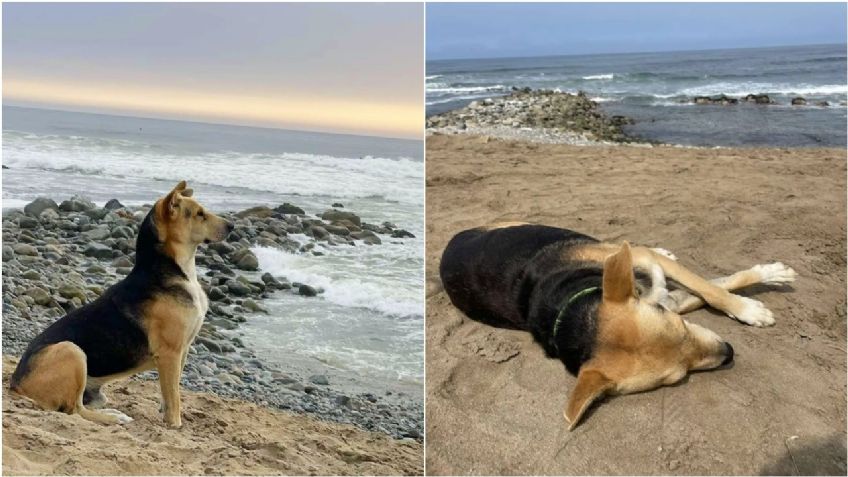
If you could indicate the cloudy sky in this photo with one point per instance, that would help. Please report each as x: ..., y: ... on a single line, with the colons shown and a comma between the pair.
x: 456, y: 30
x: 351, y: 68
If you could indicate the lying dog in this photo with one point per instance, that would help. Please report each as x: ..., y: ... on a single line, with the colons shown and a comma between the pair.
x: 618, y: 330
x: 145, y: 321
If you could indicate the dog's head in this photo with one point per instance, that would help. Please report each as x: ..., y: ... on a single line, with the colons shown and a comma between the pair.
x: 640, y: 345
x: 182, y: 221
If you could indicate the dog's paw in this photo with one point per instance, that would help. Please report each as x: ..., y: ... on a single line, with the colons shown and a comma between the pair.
x: 754, y: 313
x: 122, y: 418
x: 665, y: 253
x: 775, y: 274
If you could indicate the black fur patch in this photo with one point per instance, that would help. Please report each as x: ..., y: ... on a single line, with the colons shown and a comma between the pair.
x: 516, y: 277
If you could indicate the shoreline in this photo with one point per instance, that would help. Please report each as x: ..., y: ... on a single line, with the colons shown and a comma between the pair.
x: 57, y: 257
x: 544, y: 116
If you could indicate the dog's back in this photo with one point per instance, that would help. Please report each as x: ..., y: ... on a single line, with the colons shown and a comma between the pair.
x: 489, y: 273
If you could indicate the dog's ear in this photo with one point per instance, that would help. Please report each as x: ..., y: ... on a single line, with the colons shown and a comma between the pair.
x: 591, y: 384
x: 619, y: 282
x: 171, y: 202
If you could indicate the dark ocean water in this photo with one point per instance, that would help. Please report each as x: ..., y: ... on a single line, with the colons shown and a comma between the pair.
x: 656, y: 90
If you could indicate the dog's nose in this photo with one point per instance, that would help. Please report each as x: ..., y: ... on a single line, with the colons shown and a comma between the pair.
x: 728, y: 354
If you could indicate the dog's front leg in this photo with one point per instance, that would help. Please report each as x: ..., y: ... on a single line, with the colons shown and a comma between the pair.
x: 169, y: 366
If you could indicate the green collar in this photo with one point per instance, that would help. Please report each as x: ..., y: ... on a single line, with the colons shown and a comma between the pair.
x: 568, y: 303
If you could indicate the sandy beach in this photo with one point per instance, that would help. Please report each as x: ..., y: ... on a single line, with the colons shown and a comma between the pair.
x: 494, y: 402
x: 219, y: 437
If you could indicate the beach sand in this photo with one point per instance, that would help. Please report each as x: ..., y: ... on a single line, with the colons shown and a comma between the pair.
x: 219, y: 436
x: 494, y: 402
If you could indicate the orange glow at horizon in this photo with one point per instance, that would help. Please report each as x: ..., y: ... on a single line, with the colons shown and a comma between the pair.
x: 402, y: 120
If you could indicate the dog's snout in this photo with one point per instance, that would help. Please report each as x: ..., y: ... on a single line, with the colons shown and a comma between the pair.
x: 728, y: 354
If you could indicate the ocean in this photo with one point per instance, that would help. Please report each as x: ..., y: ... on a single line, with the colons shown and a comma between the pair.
x: 367, y: 328
x: 656, y: 90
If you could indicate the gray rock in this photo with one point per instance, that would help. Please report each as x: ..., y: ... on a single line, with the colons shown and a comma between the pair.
x: 238, y: 288
x: 259, y: 211
x: 25, y: 249
x: 318, y: 232
x: 287, y: 208
x: 70, y: 291
x: 39, y: 205
x: 8, y: 253
x: 367, y: 236
x: 245, y: 260
x: 76, y: 203
x: 100, y: 233
x: 49, y: 215
x: 122, y: 231
x: 215, y: 294
x: 25, y: 222
x: 31, y: 275
x: 306, y: 290
x: 400, y: 233
x: 113, y: 204
x: 122, y: 262
x: 251, y: 305
x: 98, y: 250
x: 798, y: 101
x: 333, y: 215
x: 319, y: 379
x: 39, y: 296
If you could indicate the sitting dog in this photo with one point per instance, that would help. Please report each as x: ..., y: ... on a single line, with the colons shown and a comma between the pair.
x: 147, y: 320
x: 618, y: 330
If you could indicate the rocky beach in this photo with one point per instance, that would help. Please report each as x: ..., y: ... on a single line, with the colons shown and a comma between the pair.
x: 57, y: 257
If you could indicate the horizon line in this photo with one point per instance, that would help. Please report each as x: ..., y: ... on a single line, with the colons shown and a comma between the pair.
x: 211, y: 123
x: 633, y: 52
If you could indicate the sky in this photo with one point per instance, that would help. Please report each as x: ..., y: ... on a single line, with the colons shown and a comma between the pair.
x: 348, y: 68
x: 463, y: 30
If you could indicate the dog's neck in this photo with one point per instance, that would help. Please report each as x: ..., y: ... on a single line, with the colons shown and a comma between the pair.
x: 184, y: 257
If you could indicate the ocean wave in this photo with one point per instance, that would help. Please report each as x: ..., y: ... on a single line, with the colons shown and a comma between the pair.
x: 378, y: 293
x: 466, y: 89
x: 287, y: 172
x: 432, y: 77
x: 607, y: 76
x: 742, y: 89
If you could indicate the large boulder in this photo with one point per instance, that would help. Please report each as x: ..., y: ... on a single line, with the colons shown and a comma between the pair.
x: 39, y: 205
x: 244, y: 259
x: 113, y: 204
x: 287, y: 208
x: 799, y: 101
x: 332, y: 215
x: 77, y: 203
x: 260, y: 211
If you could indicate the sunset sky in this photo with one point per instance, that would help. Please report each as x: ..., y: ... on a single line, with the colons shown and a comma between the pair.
x: 348, y: 68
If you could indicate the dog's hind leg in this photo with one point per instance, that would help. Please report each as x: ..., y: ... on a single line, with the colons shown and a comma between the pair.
x: 57, y: 379
x: 681, y: 301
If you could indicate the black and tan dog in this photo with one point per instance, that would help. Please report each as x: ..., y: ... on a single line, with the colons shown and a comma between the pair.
x: 604, y: 310
x: 145, y: 321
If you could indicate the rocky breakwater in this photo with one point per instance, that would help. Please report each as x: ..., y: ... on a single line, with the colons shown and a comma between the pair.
x: 550, y: 116
x: 724, y: 100
x: 57, y: 257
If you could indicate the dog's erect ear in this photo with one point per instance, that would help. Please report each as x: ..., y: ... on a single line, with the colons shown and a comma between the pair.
x: 619, y: 282
x: 172, y: 200
x: 591, y: 384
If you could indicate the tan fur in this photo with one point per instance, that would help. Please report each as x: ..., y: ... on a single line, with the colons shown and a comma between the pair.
x: 57, y: 381
x: 639, y: 346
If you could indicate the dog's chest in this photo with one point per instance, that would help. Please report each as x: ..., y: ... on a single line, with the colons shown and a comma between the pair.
x: 201, y: 306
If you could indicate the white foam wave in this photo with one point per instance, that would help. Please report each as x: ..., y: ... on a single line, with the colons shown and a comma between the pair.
x: 466, y: 89
x: 607, y: 76
x: 287, y: 172
x: 742, y: 89
x: 432, y: 77
x: 343, y: 287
